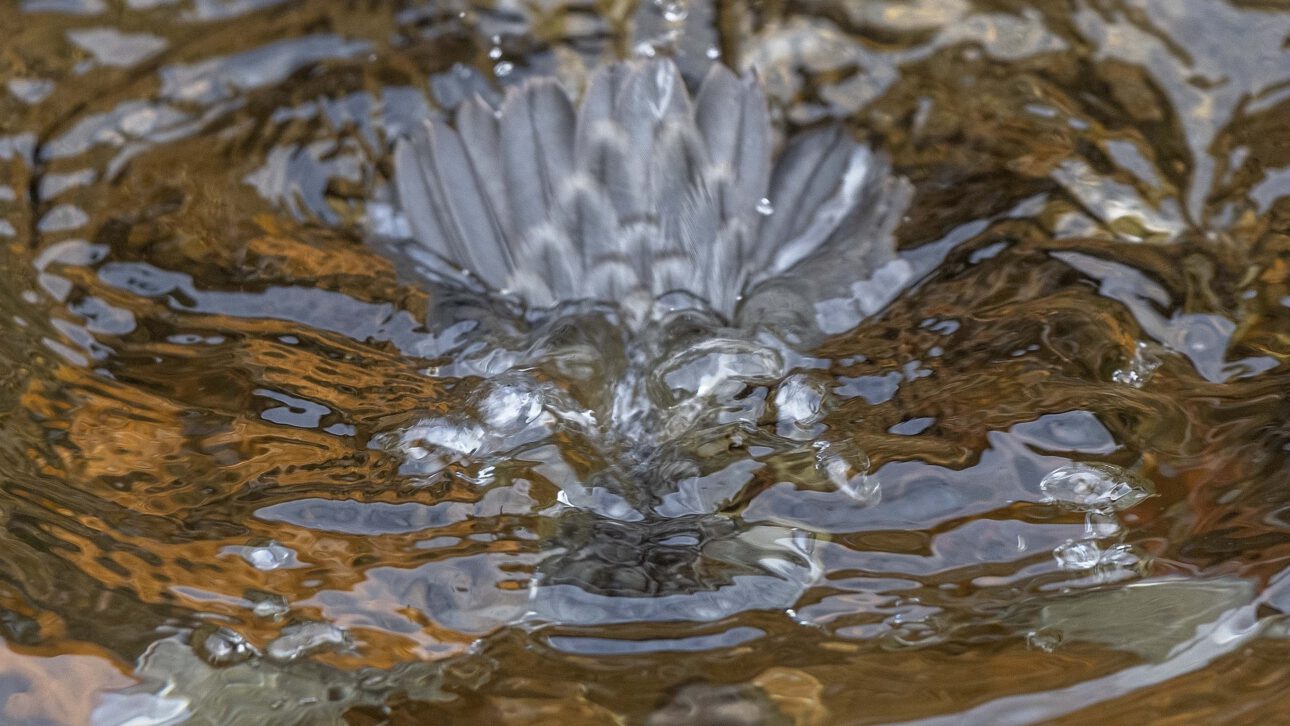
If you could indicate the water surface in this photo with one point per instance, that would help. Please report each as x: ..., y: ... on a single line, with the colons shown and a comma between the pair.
x: 231, y: 490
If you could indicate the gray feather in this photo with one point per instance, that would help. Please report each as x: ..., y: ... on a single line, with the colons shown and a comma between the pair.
x: 636, y: 193
x: 536, y: 135
x: 469, y: 222
x: 476, y: 121
x: 417, y: 182
x: 819, y: 180
x: 731, y: 114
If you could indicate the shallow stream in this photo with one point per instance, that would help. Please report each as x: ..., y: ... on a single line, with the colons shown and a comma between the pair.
x: 256, y: 469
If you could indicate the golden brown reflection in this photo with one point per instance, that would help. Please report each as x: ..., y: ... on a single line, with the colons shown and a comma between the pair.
x: 198, y: 366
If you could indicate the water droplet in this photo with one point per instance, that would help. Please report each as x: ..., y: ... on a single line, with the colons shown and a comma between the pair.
x: 271, y: 607
x: 222, y: 646
x: 503, y: 69
x: 853, y: 482
x: 268, y: 557
x: 297, y: 641
x: 1121, y: 555
x: 495, y: 53
x: 441, y: 434
x: 713, y: 53
x: 1100, y: 525
x: 509, y: 406
x: 1077, y: 556
x: 1044, y: 639
x: 1094, y: 488
x: 765, y: 208
x: 674, y: 11
x: 799, y: 400
x: 1139, y: 368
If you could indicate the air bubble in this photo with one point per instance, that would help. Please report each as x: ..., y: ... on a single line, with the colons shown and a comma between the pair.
x: 1121, y: 555
x: 1094, y: 488
x: 271, y: 607
x: 1139, y: 368
x: 1083, y: 555
x: 510, y: 406
x: 857, y: 484
x: 269, y: 557
x: 674, y: 11
x: 799, y: 401
x: 222, y: 646
x: 421, y: 440
x: 765, y: 208
x: 1101, y: 525
x: 1044, y: 639
x: 434, y: 444
x: 1077, y: 556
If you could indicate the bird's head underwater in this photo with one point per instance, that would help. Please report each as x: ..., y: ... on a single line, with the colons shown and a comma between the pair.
x: 633, y: 279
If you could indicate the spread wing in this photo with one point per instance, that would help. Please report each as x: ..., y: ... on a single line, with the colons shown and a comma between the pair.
x: 637, y: 190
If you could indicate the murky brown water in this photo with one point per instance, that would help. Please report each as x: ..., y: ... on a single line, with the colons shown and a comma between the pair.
x: 206, y: 514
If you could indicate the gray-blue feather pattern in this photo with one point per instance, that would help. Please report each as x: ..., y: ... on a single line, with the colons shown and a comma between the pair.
x: 636, y: 192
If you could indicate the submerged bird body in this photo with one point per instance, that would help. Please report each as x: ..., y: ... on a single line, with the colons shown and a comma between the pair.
x: 663, y: 254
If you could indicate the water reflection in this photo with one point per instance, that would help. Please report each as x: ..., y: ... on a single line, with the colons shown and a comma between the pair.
x: 209, y: 376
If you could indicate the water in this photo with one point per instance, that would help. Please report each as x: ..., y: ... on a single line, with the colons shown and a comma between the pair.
x: 257, y: 468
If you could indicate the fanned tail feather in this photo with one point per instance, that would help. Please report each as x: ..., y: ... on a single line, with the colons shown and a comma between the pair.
x: 638, y: 191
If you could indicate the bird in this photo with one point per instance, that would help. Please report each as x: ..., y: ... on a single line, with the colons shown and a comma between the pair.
x: 636, y: 191
x: 665, y: 250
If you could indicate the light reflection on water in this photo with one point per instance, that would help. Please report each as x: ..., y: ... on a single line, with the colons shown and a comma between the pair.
x: 211, y: 382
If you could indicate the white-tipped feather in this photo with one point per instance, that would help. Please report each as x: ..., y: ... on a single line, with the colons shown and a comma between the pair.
x: 639, y: 191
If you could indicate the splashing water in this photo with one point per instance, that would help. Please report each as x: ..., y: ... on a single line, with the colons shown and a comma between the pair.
x: 634, y: 233
x: 269, y: 458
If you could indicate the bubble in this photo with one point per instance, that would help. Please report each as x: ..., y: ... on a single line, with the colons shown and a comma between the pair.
x: 1077, y: 556
x: 1100, y: 525
x: 852, y: 481
x: 1083, y: 555
x: 503, y: 69
x: 510, y: 406
x: 297, y: 641
x: 459, y: 438
x: 271, y: 607
x: 1121, y: 555
x: 1139, y: 368
x: 712, y: 53
x: 765, y: 208
x: 268, y: 557
x: 674, y: 11
x: 1094, y: 488
x: 1044, y: 639
x: 799, y: 400
x: 222, y: 646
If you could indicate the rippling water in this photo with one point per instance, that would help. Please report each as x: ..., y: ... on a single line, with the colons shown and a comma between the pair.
x: 256, y: 470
